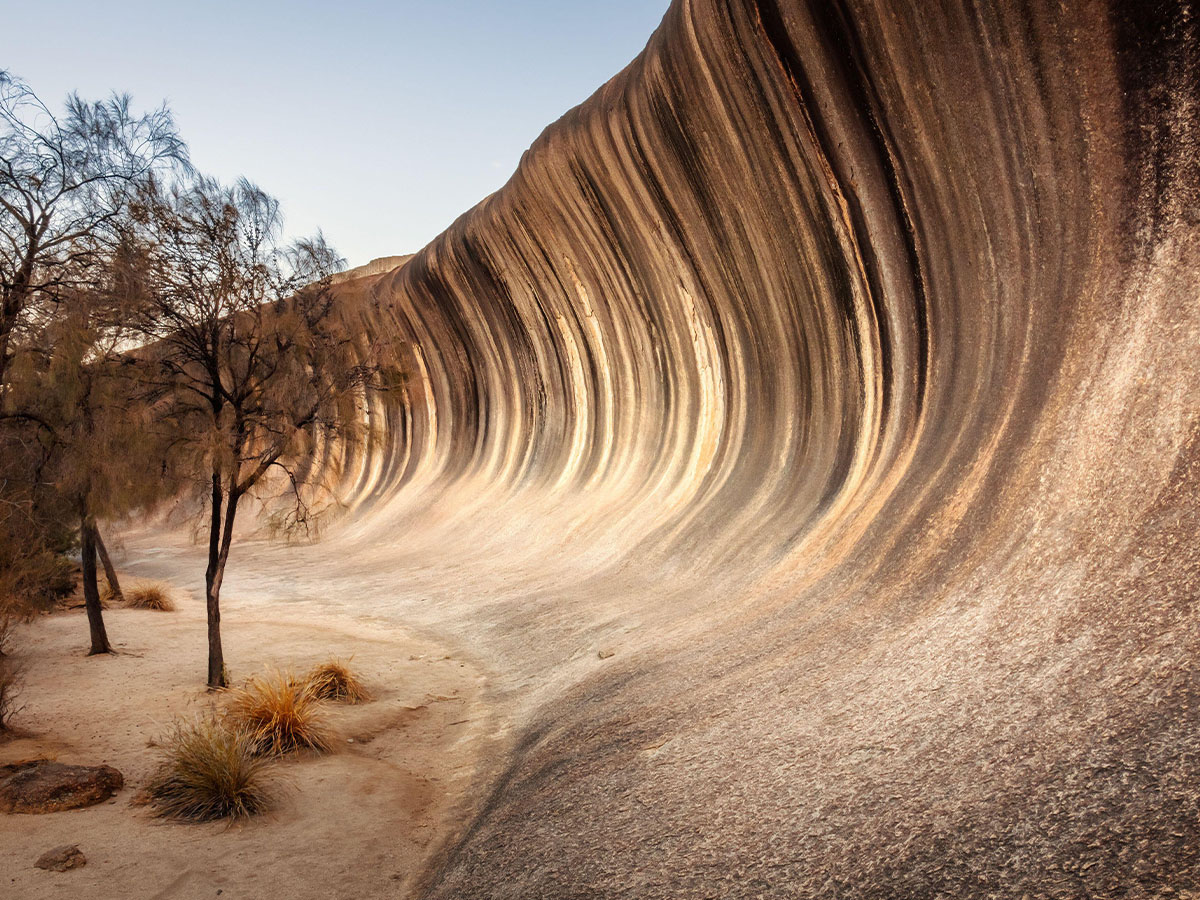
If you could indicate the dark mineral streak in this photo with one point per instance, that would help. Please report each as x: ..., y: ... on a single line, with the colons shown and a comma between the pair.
x: 830, y: 380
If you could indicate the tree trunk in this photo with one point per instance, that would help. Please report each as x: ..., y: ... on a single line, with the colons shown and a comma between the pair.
x: 14, y: 301
x: 6, y: 327
x: 4, y: 331
x: 110, y: 574
x: 91, y: 591
x: 212, y: 589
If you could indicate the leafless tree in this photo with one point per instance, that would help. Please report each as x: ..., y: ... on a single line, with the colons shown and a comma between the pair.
x: 64, y: 183
x: 254, y: 362
x: 74, y: 388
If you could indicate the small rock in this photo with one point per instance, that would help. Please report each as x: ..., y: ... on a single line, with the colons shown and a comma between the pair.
x: 605, y: 654
x: 62, y: 858
x: 43, y: 786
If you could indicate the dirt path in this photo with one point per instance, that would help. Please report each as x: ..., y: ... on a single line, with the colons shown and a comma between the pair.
x: 359, y: 823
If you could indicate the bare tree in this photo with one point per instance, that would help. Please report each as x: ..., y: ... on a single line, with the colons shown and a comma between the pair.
x: 64, y: 183
x: 73, y: 388
x: 254, y: 362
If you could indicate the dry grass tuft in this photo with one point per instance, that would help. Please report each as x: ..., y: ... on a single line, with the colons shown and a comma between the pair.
x: 280, y: 715
x: 333, y: 680
x: 149, y: 596
x: 209, y: 772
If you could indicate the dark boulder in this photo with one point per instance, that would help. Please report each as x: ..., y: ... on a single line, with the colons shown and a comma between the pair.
x: 42, y: 786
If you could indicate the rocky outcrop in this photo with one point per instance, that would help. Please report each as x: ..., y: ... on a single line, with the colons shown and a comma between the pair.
x: 379, y: 266
x: 816, y: 415
x: 44, y: 786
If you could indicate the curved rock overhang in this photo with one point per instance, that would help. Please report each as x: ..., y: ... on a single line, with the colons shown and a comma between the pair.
x: 836, y: 366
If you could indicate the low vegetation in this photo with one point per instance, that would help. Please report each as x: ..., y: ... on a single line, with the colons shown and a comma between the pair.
x: 149, y: 596
x: 35, y: 569
x: 10, y: 671
x: 281, y: 715
x: 8, y: 622
x: 10, y: 687
x: 210, y: 771
x: 334, y: 680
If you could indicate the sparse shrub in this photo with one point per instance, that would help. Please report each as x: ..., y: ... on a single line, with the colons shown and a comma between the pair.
x: 280, y: 715
x: 32, y: 578
x: 333, y: 680
x: 10, y: 687
x: 149, y: 596
x: 58, y: 580
x: 7, y: 623
x: 209, y: 771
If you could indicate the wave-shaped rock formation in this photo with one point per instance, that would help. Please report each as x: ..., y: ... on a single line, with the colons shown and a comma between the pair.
x: 807, y: 437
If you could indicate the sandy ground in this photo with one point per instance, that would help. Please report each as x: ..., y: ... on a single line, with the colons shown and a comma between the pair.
x: 359, y: 823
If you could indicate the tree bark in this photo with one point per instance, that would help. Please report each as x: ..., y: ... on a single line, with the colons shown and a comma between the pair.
x: 212, y: 588
x: 91, y: 591
x: 110, y: 574
x: 216, y: 657
x: 14, y: 301
x: 3, y: 365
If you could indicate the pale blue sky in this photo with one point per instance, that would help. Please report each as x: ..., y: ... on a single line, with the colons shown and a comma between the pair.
x: 378, y: 122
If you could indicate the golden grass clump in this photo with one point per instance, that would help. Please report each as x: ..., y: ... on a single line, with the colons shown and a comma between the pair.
x: 209, y: 772
x: 149, y: 596
x: 280, y: 715
x: 334, y: 680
